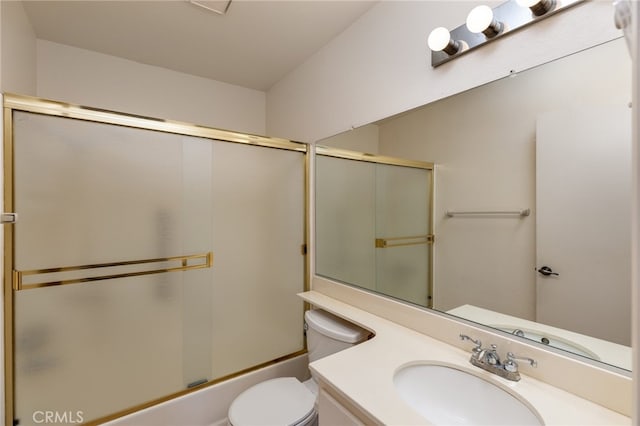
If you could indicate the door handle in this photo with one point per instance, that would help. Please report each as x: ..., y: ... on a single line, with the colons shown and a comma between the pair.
x: 546, y: 271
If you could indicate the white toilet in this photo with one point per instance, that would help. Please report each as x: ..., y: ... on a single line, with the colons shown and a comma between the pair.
x: 285, y: 400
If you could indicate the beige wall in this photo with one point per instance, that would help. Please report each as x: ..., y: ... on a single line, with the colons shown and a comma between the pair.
x: 635, y: 230
x: 88, y: 78
x: 361, y: 139
x: 18, y: 50
x: 380, y: 66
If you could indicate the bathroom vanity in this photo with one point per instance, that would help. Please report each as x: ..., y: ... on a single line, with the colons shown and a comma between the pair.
x: 357, y: 385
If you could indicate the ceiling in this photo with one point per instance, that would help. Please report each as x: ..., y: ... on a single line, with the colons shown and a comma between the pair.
x: 254, y: 45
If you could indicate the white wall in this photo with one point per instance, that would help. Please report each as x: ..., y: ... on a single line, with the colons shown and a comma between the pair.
x: 380, y: 66
x: 635, y: 230
x: 361, y: 139
x: 1, y: 50
x: 18, y: 50
x: 85, y: 77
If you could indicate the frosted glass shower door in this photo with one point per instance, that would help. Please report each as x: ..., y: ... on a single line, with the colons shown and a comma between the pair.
x: 345, y: 220
x: 90, y: 194
x: 150, y: 257
x: 403, y: 237
x: 258, y: 233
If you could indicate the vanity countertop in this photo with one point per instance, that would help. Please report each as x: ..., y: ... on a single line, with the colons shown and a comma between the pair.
x: 364, y: 373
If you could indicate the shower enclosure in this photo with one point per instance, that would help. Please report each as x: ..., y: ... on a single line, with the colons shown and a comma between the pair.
x: 148, y: 258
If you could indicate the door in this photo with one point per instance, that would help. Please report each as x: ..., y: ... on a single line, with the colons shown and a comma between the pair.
x: 583, y: 181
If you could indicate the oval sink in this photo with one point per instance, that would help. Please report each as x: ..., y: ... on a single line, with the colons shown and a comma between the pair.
x: 445, y: 395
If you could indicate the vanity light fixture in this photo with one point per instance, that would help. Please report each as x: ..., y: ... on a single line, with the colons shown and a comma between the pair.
x: 538, y: 7
x: 440, y: 41
x: 481, y: 20
x: 485, y: 24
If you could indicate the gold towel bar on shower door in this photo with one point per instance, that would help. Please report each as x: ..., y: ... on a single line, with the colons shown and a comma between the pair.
x: 404, y: 241
x: 184, y: 263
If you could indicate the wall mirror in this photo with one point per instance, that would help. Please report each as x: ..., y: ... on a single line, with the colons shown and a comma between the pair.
x: 531, y: 213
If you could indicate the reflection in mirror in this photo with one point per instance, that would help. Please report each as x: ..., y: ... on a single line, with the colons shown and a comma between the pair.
x: 373, y: 223
x: 556, y: 140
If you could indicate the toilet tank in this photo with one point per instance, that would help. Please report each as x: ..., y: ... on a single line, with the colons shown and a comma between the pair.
x: 328, y: 334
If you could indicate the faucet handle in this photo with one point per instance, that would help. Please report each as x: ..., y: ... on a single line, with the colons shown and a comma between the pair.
x: 511, y: 364
x: 477, y: 342
x: 477, y: 350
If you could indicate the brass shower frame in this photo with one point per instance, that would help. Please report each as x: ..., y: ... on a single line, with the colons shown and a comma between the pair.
x: 397, y: 241
x: 14, y: 102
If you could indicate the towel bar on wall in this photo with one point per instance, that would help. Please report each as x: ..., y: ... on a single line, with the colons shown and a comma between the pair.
x: 180, y: 263
x: 524, y: 212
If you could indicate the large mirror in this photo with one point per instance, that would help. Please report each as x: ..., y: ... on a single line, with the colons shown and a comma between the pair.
x: 532, y: 178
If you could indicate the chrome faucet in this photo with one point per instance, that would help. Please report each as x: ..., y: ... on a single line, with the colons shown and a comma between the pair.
x: 489, y: 356
x: 489, y: 360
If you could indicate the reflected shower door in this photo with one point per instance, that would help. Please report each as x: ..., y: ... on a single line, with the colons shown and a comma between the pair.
x: 403, y: 232
x: 373, y: 223
x: 345, y: 220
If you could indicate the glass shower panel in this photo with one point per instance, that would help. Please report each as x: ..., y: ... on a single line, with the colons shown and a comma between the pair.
x: 97, y: 348
x: 93, y: 192
x: 90, y: 193
x: 197, y: 289
x: 345, y: 220
x: 402, y: 232
x: 258, y: 233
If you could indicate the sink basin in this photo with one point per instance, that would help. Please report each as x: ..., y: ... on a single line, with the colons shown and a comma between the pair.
x: 446, y: 395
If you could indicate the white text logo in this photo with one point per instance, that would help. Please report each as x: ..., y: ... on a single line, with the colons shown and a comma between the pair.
x: 60, y: 417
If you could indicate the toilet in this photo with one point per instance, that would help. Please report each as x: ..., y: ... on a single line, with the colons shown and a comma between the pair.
x: 286, y: 400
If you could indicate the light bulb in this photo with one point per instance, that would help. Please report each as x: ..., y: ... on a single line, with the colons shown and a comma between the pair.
x: 480, y: 20
x: 538, y: 7
x: 440, y: 40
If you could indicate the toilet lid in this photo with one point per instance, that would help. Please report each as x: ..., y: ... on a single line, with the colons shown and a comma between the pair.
x: 281, y: 401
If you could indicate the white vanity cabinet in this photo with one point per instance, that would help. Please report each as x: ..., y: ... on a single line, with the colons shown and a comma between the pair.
x: 333, y: 411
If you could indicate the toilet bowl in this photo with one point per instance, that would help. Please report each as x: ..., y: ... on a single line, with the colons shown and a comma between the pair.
x: 286, y: 400
x: 281, y: 401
